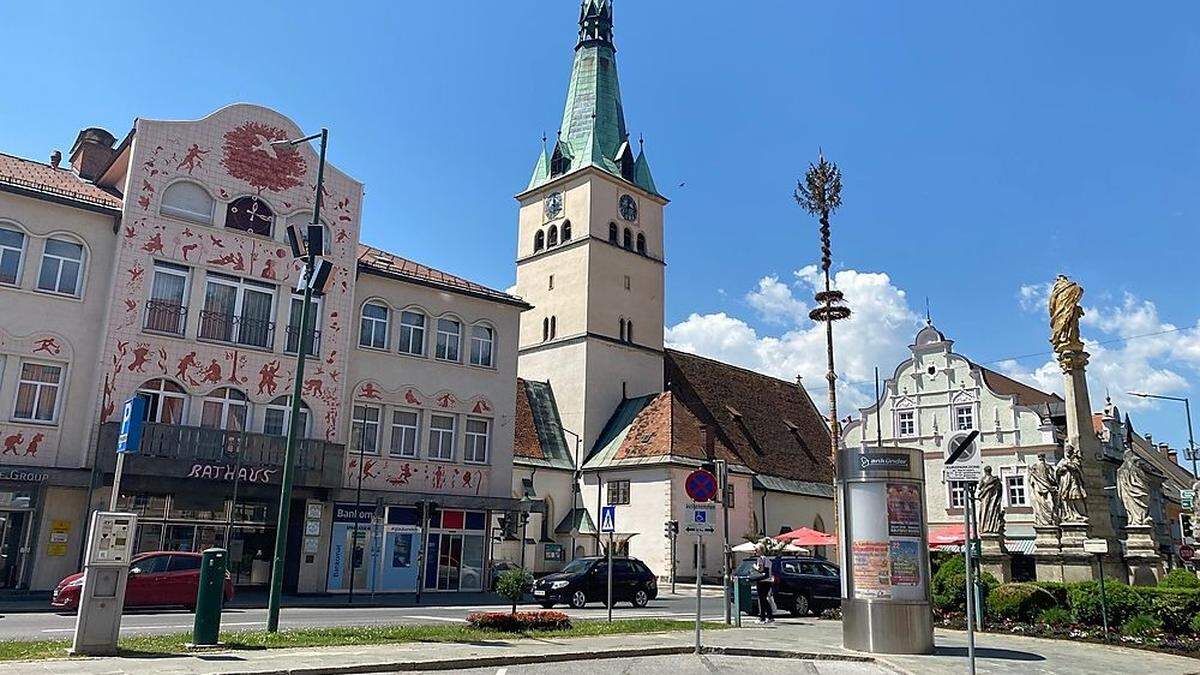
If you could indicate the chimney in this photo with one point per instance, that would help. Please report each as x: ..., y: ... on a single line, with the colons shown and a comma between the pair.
x: 1173, y: 454
x: 92, y: 152
x: 55, y: 158
x: 706, y: 437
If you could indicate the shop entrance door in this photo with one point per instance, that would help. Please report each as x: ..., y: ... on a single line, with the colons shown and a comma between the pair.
x: 449, y: 561
x: 12, y: 531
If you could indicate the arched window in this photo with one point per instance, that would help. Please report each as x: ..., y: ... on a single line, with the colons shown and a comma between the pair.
x: 627, y: 240
x: 188, y: 201
x: 166, y: 402
x: 225, y: 408
x: 249, y: 214
x: 279, y: 412
x: 629, y: 331
x: 12, y: 251
x: 449, y: 338
x: 621, y: 329
x: 553, y: 326
x: 373, y: 326
x: 566, y: 231
x: 545, y: 329
x: 612, y: 233
x: 412, y: 333
x: 539, y: 241
x: 641, y: 243
x: 552, y: 238
x: 483, y: 341
x: 62, y: 267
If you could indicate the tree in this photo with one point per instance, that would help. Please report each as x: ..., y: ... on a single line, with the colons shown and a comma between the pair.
x: 513, y: 585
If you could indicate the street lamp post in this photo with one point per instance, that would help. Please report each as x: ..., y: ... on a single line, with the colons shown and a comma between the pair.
x: 285, y: 491
x: 1187, y: 409
x: 575, y: 478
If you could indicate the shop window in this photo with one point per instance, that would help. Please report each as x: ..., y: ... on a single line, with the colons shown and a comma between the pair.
x: 37, y: 392
x: 618, y: 492
x: 62, y: 267
x: 197, y: 506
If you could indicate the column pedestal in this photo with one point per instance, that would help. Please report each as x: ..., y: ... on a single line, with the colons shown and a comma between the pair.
x: 1047, y: 553
x: 994, y: 557
x: 1077, y: 564
x: 1141, y: 556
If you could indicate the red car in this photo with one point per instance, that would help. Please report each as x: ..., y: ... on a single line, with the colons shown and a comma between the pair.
x: 161, y: 578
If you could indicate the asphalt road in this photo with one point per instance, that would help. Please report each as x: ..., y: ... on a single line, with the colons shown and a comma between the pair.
x: 687, y: 664
x: 55, y: 625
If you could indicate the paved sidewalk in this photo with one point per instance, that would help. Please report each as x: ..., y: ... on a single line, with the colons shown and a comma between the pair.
x: 813, y: 638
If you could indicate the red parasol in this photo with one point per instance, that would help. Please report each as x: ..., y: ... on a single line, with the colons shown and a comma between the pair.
x: 806, y: 536
x: 947, y: 535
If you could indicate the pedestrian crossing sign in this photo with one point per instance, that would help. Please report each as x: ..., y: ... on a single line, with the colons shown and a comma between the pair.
x: 608, y: 519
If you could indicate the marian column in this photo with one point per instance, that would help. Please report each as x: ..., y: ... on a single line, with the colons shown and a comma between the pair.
x: 1081, y: 482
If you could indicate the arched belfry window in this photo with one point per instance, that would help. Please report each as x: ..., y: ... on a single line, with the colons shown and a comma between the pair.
x: 249, y: 214
x: 621, y: 329
x: 629, y: 331
x: 612, y: 233
x: 627, y: 240
x: 560, y: 161
x: 553, y: 327
x: 566, y: 231
x: 641, y: 243
x: 545, y: 329
x: 552, y: 238
x: 539, y: 241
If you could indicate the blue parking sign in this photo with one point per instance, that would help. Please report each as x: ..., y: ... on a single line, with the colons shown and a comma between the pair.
x: 132, y: 416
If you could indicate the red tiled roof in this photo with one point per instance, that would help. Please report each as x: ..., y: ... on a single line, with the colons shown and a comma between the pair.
x: 377, y: 260
x: 526, y: 442
x: 63, y: 183
x: 667, y: 427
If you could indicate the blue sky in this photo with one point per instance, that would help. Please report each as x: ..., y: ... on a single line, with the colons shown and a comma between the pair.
x: 985, y: 147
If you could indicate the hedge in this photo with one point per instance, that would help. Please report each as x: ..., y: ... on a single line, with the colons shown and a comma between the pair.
x: 1174, y: 607
x: 1123, y: 602
x: 1180, y: 578
x: 949, y: 586
x: 520, y: 622
x: 1018, y: 602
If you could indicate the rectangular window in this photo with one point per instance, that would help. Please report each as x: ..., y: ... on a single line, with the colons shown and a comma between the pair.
x: 12, y: 245
x: 364, y: 430
x: 956, y: 495
x: 550, y: 284
x: 1014, y: 487
x: 449, y: 333
x: 441, y: 437
x: 312, y: 336
x: 476, y: 449
x: 618, y: 492
x: 482, y: 342
x: 412, y: 333
x: 627, y: 283
x: 37, y: 392
x: 406, y: 429
x: 907, y: 423
x: 166, y: 311
x: 964, y: 418
x: 62, y: 266
x: 275, y: 420
x: 373, y: 326
x: 238, y: 311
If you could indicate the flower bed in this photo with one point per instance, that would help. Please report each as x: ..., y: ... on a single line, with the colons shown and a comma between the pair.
x: 520, y: 622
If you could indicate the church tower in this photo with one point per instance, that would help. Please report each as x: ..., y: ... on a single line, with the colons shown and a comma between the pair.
x: 590, y: 249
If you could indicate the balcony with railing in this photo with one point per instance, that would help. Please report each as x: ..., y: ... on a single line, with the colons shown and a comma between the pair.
x: 165, y: 316
x: 240, y: 330
x: 312, y: 340
x: 171, y: 450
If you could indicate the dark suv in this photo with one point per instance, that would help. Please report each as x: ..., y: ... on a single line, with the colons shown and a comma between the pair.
x: 585, y: 580
x: 803, y: 585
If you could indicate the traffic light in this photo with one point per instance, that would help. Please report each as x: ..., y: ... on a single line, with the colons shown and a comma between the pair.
x: 672, y: 528
x: 1187, y: 528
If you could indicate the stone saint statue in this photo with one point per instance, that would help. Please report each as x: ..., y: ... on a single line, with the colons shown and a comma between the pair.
x: 1133, y: 487
x: 989, y: 516
x: 1071, y: 494
x: 1043, y: 486
x: 1064, y: 316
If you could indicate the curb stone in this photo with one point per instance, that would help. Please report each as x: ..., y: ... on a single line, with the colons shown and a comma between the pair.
x: 525, y: 659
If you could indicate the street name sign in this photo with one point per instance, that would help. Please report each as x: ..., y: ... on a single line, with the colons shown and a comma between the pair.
x: 964, y: 461
x: 608, y: 519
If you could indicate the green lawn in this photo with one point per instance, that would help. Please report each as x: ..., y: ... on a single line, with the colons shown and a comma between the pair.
x: 346, y: 635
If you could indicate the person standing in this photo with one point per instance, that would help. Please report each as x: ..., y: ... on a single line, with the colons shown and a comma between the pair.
x: 764, y: 582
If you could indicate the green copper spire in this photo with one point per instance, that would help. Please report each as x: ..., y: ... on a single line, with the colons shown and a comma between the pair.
x: 593, y: 126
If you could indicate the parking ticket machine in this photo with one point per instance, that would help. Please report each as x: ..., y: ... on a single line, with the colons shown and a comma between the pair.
x: 105, y: 572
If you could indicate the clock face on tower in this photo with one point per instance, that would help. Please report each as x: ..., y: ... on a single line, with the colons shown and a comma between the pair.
x: 628, y: 208
x: 553, y: 205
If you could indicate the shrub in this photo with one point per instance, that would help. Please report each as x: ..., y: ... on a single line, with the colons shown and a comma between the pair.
x: 1057, y: 589
x: 1018, y: 602
x: 1174, y: 607
x: 949, y: 587
x: 1194, y: 624
x: 1180, y: 578
x: 1123, y: 602
x: 513, y: 584
x: 1141, y: 625
x: 1056, y: 616
x: 520, y: 622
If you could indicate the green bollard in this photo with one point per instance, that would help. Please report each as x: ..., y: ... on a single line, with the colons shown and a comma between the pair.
x: 209, y: 597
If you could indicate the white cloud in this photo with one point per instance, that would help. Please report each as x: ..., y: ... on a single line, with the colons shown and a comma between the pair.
x: 1035, y: 297
x: 1132, y: 349
x: 877, y: 333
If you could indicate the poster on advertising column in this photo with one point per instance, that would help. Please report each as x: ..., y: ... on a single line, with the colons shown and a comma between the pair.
x: 904, y: 510
x: 872, y: 573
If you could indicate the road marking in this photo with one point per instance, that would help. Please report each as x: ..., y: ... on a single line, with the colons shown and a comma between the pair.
x: 502, y: 671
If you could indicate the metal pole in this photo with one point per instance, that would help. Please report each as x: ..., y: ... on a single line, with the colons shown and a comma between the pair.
x: 237, y: 475
x: 1187, y: 409
x: 699, y: 577
x: 610, y: 554
x: 970, y: 578
x: 576, y: 475
x: 975, y: 587
x: 289, y: 455
x: 1103, y: 596
x: 116, y: 488
x: 424, y: 546
x: 674, y: 555
x: 726, y: 554
x: 357, y: 508
x: 599, y: 496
